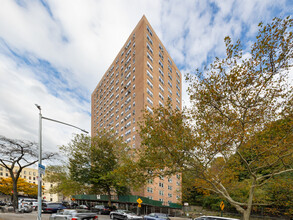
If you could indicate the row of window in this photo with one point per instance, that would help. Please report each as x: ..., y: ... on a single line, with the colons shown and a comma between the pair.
x: 161, y: 80
x: 16, y: 170
x: 161, y: 192
x: 127, y: 57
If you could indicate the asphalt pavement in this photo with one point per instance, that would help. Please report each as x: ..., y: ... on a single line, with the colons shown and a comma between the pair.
x: 34, y: 215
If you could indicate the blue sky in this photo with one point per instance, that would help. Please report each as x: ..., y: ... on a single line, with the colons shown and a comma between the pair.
x: 54, y: 53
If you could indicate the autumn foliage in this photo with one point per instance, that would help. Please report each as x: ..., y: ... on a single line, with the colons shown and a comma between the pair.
x: 237, y: 137
x: 23, y: 187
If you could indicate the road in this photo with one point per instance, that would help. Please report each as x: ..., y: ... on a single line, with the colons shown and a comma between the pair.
x: 33, y: 216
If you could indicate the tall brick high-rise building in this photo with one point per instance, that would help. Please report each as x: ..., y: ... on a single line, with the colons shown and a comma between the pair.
x: 142, y: 76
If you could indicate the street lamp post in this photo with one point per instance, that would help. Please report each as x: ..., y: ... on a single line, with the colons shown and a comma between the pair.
x: 40, y: 171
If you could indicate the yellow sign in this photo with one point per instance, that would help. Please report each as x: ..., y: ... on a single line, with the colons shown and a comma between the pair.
x: 139, y: 205
x: 139, y: 201
x: 222, y: 205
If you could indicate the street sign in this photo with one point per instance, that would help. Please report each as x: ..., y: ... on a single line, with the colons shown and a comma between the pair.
x: 139, y: 201
x: 42, y: 169
x: 139, y: 205
x: 42, y: 166
x: 222, y: 205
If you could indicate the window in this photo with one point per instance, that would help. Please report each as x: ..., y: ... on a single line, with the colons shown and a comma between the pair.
x: 150, y: 101
x: 150, y: 40
x: 161, y: 104
x: 170, y: 91
x: 178, y: 176
x: 169, y: 68
x: 161, y: 96
x: 170, y: 61
x: 149, y: 92
x: 149, y: 30
x: 161, y: 184
x: 161, y: 88
x: 149, y: 74
x: 161, y: 56
x: 161, y: 64
x: 149, y: 56
x: 170, y: 180
x: 161, y: 72
x: 170, y: 187
x: 150, y: 189
x: 161, y: 192
x: 149, y: 48
x: 128, y: 75
x: 128, y: 140
x: 170, y: 84
x: 149, y: 83
x: 150, y: 110
x: 161, y: 80
x: 170, y: 195
x: 150, y: 66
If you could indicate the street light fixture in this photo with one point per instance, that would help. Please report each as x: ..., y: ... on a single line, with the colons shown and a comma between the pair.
x: 40, y: 166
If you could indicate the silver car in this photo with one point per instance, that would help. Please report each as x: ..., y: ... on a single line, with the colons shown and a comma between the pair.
x: 77, y: 214
x: 124, y: 215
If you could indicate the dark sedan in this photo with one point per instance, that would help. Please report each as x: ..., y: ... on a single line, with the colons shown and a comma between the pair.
x: 156, y: 216
x: 52, y: 207
x: 103, y: 210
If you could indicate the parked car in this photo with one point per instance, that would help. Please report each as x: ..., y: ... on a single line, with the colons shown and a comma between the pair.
x: 25, y: 208
x: 116, y: 211
x: 125, y: 215
x: 70, y: 214
x: 82, y: 207
x: 156, y: 216
x: 52, y: 207
x: 103, y: 210
x: 28, y: 201
x: 214, y: 218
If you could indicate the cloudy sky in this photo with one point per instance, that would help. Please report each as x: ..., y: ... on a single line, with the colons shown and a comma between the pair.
x: 54, y: 52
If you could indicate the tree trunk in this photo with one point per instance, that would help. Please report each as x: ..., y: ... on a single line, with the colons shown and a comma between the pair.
x: 246, y: 214
x: 15, y: 196
x: 109, y: 197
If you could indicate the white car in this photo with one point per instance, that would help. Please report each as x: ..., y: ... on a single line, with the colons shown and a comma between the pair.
x: 124, y: 215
